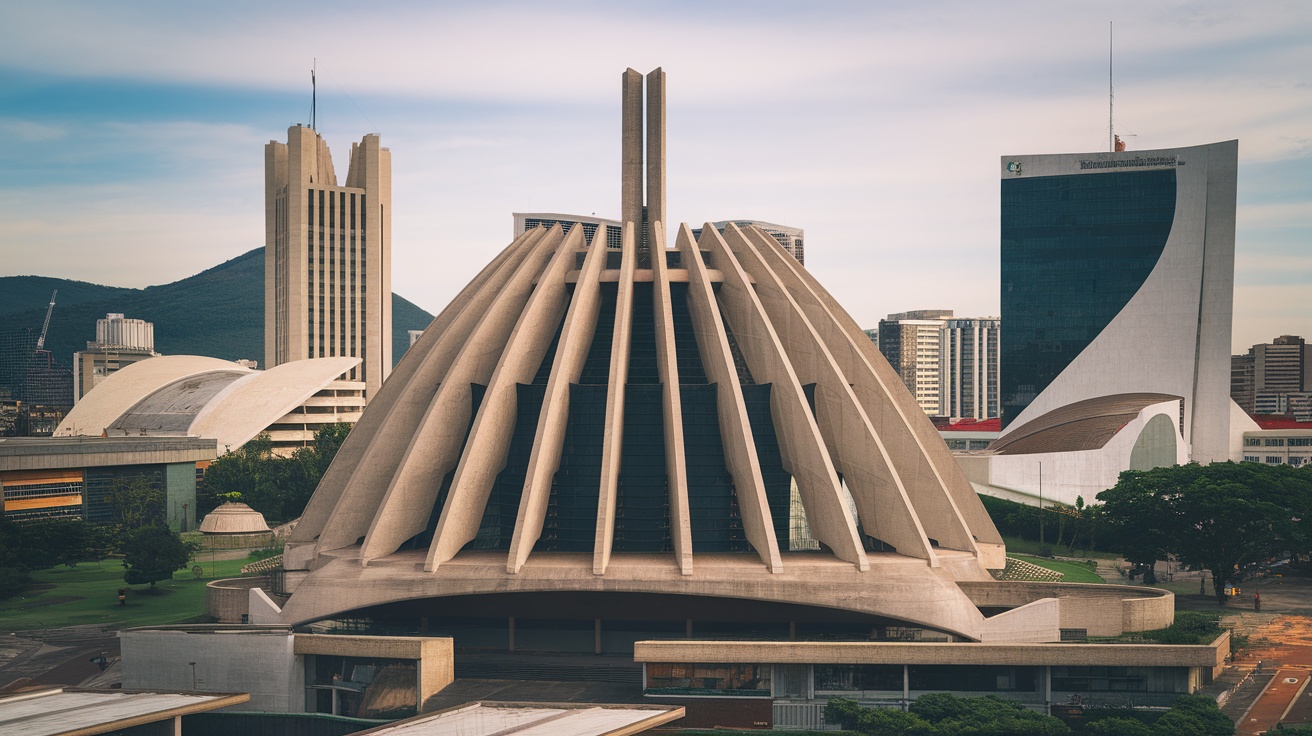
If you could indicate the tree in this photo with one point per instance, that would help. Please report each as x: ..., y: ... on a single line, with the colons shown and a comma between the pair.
x: 1218, y: 517
x: 136, y: 502
x: 1119, y: 727
x: 1194, y: 715
x: 153, y: 553
x: 278, y: 487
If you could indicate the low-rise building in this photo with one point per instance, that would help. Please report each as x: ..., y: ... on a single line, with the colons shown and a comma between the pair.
x: 74, y: 477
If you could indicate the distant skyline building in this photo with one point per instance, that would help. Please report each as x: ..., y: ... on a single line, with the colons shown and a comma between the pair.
x: 968, y: 368
x: 119, y: 342
x: 949, y: 363
x: 328, y: 255
x: 1273, y: 378
x: 912, y: 343
x: 116, y: 330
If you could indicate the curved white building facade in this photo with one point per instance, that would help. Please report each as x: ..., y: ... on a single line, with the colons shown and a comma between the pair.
x: 1117, y: 279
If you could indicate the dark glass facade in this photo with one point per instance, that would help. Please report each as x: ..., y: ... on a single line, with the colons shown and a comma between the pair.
x: 1075, y: 249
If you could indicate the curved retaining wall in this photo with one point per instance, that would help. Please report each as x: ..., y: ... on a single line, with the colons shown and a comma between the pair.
x: 227, y: 600
x: 1103, y: 610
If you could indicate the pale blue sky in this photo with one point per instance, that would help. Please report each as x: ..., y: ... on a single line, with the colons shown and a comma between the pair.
x: 131, y: 134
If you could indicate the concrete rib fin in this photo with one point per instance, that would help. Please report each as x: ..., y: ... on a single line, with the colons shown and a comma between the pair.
x: 676, y: 468
x: 944, y: 500
x: 435, y: 445
x: 735, y: 428
x: 882, y: 502
x: 613, y: 435
x: 489, y: 439
x: 575, y: 339
x: 800, y: 442
x: 369, y: 456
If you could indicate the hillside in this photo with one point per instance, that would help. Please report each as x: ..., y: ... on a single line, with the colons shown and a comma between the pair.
x: 218, y: 312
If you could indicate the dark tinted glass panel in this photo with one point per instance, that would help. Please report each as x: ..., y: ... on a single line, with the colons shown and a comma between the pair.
x: 1075, y: 249
x: 642, y: 511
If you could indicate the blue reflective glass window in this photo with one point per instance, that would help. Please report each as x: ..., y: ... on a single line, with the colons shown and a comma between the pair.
x: 1075, y: 249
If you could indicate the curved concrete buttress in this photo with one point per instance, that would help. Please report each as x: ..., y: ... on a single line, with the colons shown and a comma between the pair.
x: 676, y: 470
x: 250, y: 404
x: 800, y: 442
x: 884, y: 509
x: 899, y: 588
x: 918, y: 451
x: 124, y: 389
x: 485, y: 453
x: 435, y: 446
x: 613, y: 437
x: 372, y: 451
x: 549, y: 440
x: 735, y: 428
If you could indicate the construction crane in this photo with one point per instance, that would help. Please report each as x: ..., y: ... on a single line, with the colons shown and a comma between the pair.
x: 41, y: 341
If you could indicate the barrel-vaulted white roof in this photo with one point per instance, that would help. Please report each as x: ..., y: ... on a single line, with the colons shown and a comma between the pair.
x: 199, y: 396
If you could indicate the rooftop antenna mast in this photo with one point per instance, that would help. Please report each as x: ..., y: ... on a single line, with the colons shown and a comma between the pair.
x: 313, y: 93
x: 1111, y: 90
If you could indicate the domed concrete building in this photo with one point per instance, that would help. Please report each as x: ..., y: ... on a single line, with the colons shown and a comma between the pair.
x: 696, y: 438
x: 687, y: 463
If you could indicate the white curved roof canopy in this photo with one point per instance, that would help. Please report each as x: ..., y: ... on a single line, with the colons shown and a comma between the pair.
x: 199, y: 396
x: 115, y: 396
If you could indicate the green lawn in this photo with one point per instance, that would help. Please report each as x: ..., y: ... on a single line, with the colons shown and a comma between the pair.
x: 1073, y: 573
x: 88, y: 594
x: 1031, y: 547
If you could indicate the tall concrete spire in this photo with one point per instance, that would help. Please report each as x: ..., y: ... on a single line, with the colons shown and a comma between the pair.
x: 655, y: 156
x: 631, y: 150
x: 641, y: 205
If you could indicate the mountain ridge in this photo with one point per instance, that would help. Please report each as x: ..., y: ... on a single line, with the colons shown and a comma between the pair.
x: 218, y: 312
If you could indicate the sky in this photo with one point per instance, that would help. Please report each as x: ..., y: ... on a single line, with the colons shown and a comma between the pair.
x: 132, y: 133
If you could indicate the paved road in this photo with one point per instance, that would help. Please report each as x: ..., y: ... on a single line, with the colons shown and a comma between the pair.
x: 56, y: 656
x: 1272, y: 704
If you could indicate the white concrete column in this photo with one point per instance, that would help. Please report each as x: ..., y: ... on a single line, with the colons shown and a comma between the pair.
x: 613, y: 439
x: 434, y: 448
x: 375, y: 447
x: 676, y: 470
x: 881, y: 497
x: 571, y: 353
x: 489, y: 439
x: 800, y: 442
x: 735, y: 429
x: 944, y: 500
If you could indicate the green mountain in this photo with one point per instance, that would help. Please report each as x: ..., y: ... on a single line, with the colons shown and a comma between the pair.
x: 218, y: 312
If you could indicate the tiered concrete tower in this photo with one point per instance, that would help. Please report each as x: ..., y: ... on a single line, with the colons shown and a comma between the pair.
x: 328, y: 255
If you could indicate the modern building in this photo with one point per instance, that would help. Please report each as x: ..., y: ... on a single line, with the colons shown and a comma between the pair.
x: 74, y: 477
x: 692, y: 464
x: 913, y: 344
x: 968, y: 368
x: 119, y: 342
x: 525, y: 221
x: 1274, y: 378
x: 792, y: 239
x: 1117, y: 291
x: 195, y: 396
x: 328, y: 255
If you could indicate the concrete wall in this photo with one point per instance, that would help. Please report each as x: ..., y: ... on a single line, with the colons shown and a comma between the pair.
x: 259, y: 661
x: 226, y: 600
x: 1104, y: 610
